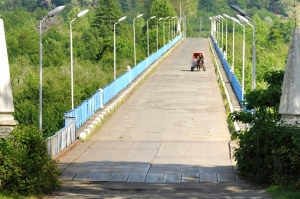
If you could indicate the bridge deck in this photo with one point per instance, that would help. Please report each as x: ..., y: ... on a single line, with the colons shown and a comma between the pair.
x: 172, y: 129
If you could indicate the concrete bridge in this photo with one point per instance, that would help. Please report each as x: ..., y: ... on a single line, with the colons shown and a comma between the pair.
x: 171, y: 131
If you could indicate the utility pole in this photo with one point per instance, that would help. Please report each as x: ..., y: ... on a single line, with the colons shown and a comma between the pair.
x: 200, y: 29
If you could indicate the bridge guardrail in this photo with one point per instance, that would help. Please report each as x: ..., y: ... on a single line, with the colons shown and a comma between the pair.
x: 61, y: 140
x: 230, y: 75
x: 81, y: 113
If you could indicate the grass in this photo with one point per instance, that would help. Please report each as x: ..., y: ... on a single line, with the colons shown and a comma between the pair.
x: 282, y: 192
x: 225, y: 100
x: 7, y: 195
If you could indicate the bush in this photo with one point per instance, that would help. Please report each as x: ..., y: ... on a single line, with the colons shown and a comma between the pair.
x: 25, y: 166
x: 269, y: 152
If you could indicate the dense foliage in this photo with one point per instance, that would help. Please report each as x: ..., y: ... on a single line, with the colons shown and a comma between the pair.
x: 92, y: 51
x: 25, y: 166
x: 268, y: 152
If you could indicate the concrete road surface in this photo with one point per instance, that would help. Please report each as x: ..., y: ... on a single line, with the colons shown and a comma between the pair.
x: 170, y: 139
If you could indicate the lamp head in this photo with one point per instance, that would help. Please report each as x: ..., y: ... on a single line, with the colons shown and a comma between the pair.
x: 152, y: 17
x: 139, y: 16
x: 235, y: 20
x: 121, y: 19
x: 55, y: 11
x: 242, y: 19
x: 82, y: 13
x: 220, y: 17
x: 237, y: 9
x: 225, y: 15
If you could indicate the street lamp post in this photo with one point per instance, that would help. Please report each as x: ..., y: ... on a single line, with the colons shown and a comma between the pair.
x: 244, y: 20
x: 184, y: 25
x: 243, y: 67
x: 219, y: 28
x: 134, y: 51
x: 169, y: 29
x: 174, y: 33
x: 164, y: 33
x: 71, y: 54
x: 221, y: 18
x: 180, y: 11
x: 50, y: 14
x: 243, y: 13
x: 233, y: 27
x: 211, y: 24
x: 217, y: 22
x: 148, y: 32
x: 213, y: 27
x: 121, y: 19
x: 226, y: 36
x: 157, y: 35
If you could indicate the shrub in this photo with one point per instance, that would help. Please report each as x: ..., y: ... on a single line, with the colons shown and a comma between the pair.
x: 269, y: 152
x: 25, y: 166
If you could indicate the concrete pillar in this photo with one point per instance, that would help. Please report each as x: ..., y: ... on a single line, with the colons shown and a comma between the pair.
x: 290, y: 98
x: 7, y: 121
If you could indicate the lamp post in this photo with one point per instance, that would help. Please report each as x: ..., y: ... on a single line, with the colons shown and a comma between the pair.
x: 243, y: 13
x: 211, y: 24
x: 221, y: 18
x: 148, y: 32
x: 71, y: 54
x: 50, y: 14
x: 157, y: 35
x: 184, y: 25
x: 226, y: 35
x: 243, y: 67
x: 134, y: 51
x: 217, y: 28
x: 174, y: 33
x: 180, y: 11
x: 121, y: 19
x: 233, y: 27
x: 213, y: 27
x: 244, y: 20
x: 169, y: 29
x: 164, y: 33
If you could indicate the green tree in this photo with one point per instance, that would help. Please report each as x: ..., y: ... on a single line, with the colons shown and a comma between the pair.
x: 126, y: 5
x: 275, y: 37
x: 107, y: 15
x: 29, y: 4
x: 161, y: 8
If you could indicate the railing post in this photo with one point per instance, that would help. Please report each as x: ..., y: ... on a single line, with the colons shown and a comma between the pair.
x: 129, y: 72
x: 101, y: 98
x: 51, y: 148
x: 147, y: 62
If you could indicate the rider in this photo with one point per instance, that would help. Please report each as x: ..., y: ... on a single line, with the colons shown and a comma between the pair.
x: 194, y: 62
x: 201, y: 58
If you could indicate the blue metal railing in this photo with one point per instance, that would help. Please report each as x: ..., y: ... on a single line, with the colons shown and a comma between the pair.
x: 230, y: 75
x: 88, y: 107
x: 75, y: 118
